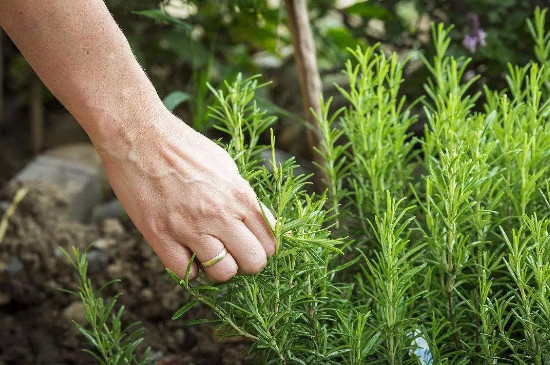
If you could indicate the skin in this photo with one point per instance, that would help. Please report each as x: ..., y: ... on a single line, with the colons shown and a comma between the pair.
x: 182, y: 191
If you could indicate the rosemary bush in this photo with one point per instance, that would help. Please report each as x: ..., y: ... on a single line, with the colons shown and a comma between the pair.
x: 422, y: 250
x: 111, y: 342
x: 432, y: 250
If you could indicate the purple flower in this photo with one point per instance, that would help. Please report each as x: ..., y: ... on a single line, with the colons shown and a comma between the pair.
x: 476, y: 38
x: 470, y: 43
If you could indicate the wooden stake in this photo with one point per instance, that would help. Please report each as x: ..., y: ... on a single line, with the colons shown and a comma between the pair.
x: 308, y: 76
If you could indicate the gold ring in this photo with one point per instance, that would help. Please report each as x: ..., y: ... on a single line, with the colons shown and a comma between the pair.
x: 216, y: 259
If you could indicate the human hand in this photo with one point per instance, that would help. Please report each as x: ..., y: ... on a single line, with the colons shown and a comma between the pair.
x: 184, y: 193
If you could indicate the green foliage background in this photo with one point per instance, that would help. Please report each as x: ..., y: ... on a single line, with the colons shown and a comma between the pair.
x: 202, y: 48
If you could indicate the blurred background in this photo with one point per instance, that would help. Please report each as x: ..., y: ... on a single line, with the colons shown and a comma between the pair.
x: 182, y: 45
x: 194, y: 42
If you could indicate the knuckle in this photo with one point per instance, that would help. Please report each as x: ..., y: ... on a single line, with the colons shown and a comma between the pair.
x: 214, y: 208
x: 247, y: 198
x: 240, y: 194
x: 158, y: 228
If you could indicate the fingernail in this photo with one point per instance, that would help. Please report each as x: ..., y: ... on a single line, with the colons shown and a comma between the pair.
x: 269, y: 216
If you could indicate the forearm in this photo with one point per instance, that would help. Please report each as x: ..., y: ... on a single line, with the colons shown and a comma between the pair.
x: 181, y: 190
x: 84, y: 59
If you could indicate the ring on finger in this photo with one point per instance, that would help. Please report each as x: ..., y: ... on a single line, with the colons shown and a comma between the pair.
x: 215, y: 259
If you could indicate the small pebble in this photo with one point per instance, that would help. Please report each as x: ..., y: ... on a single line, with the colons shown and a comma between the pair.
x: 75, y: 312
x: 15, y: 266
x: 112, y: 227
x: 97, y: 261
x: 104, y: 243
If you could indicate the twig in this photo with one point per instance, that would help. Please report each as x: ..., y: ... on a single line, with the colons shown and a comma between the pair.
x: 19, y: 196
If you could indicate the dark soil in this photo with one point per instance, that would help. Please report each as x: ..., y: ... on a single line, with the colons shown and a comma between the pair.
x: 35, y: 316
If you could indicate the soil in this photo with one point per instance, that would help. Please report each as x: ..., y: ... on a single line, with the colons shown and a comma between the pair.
x: 36, y: 317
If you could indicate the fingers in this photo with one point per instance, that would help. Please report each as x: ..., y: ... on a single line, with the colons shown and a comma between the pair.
x: 242, y: 230
x: 176, y: 258
x: 207, y: 248
x: 244, y: 247
x: 253, y: 217
x: 257, y: 224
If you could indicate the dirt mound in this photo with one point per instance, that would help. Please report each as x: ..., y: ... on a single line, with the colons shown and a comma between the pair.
x: 35, y: 317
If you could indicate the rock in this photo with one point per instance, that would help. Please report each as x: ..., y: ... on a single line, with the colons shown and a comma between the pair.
x: 78, y: 183
x: 112, y: 227
x: 179, y: 336
x: 97, y: 261
x: 4, y: 205
x: 82, y: 154
x: 14, y: 267
x: 104, y: 243
x: 147, y: 294
x: 116, y: 269
x: 111, y: 209
x: 75, y: 312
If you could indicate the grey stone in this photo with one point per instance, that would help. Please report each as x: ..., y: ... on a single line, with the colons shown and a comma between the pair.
x: 112, y: 227
x: 4, y: 205
x: 111, y: 209
x: 148, y: 295
x: 104, y: 243
x: 82, y: 154
x: 97, y: 261
x: 75, y: 312
x: 15, y: 266
x: 78, y: 183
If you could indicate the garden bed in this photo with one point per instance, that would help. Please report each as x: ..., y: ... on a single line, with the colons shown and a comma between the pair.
x: 35, y: 316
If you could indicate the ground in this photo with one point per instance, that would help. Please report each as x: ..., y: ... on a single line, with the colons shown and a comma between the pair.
x: 36, y: 317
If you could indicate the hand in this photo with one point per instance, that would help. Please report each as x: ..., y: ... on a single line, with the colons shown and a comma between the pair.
x: 184, y: 193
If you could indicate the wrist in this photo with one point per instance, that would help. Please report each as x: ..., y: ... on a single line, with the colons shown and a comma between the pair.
x: 143, y: 144
x: 117, y: 131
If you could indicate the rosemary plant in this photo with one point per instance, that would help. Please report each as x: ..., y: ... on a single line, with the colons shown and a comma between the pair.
x: 112, y: 343
x: 431, y: 250
x: 448, y: 267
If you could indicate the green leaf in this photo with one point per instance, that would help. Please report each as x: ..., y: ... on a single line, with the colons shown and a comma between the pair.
x: 174, y: 276
x: 184, y: 309
x: 163, y: 17
x: 175, y: 98
x: 201, y: 321
x: 342, y: 37
x: 406, y: 11
x: 369, y: 10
